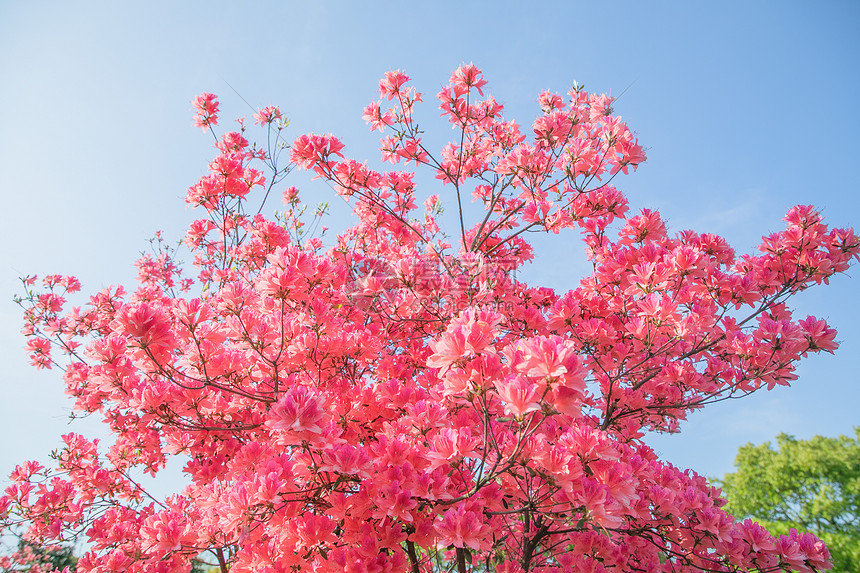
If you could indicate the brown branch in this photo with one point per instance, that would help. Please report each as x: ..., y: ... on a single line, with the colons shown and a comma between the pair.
x: 461, y: 560
x: 413, y: 556
x: 528, y: 551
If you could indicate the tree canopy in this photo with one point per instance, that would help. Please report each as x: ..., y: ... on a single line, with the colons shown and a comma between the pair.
x: 395, y: 399
x: 809, y: 485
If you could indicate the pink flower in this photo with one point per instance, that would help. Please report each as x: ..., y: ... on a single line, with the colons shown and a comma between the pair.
x: 549, y: 357
x: 40, y: 352
x: 146, y: 322
x: 391, y: 84
x: 467, y: 335
x: 163, y: 532
x: 451, y: 446
x: 207, y: 110
x: 467, y: 76
x: 759, y: 539
x: 464, y: 526
x: 519, y: 395
x: 267, y: 115
x: 601, y: 509
x: 309, y: 150
x: 818, y: 334
x: 313, y: 530
x: 374, y: 116
x: 448, y: 349
x: 298, y: 416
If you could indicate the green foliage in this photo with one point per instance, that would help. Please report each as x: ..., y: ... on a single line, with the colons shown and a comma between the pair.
x: 810, y: 485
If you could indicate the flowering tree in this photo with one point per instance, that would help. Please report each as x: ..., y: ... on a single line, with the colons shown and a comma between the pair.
x: 398, y: 401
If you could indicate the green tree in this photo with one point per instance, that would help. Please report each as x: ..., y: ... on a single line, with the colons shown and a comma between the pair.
x: 809, y: 485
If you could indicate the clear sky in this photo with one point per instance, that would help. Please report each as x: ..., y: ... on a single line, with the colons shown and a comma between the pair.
x: 745, y: 108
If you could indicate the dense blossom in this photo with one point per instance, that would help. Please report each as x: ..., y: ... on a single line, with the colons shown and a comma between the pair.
x: 399, y: 401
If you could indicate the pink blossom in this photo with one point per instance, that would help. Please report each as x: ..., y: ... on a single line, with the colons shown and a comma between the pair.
x: 207, y: 110
x: 467, y: 76
x: 40, y: 352
x: 519, y: 395
x: 163, y: 532
x: 464, y: 526
x: 267, y: 115
x: 298, y: 415
x: 392, y: 83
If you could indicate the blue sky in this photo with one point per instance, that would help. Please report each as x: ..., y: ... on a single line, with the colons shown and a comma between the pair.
x: 745, y: 109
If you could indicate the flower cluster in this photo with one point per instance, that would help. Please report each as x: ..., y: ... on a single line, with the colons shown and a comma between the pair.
x: 207, y: 111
